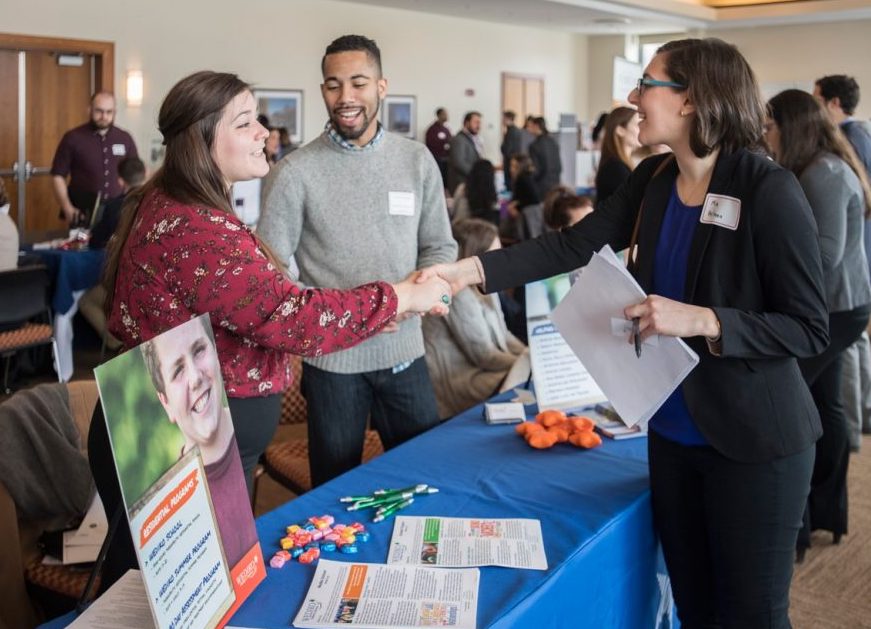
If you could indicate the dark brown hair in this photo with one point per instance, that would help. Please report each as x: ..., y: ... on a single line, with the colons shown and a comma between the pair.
x: 612, y: 147
x: 188, y: 121
x: 524, y: 164
x: 557, y: 204
x: 474, y: 236
x: 729, y: 111
x: 481, y: 188
x: 806, y: 131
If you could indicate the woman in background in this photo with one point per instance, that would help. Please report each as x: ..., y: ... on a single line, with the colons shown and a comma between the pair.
x: 476, y: 197
x: 470, y: 352
x: 803, y: 139
x: 619, y: 142
x: 563, y: 208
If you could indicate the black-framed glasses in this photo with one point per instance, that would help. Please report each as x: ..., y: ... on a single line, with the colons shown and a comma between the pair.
x: 646, y: 81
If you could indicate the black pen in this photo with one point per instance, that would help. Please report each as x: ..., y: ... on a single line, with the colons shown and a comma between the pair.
x: 636, y: 336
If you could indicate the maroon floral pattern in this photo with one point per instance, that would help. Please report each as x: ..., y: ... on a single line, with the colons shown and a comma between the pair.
x: 181, y: 261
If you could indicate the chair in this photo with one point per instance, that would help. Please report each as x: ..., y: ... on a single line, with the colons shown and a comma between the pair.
x: 55, y: 587
x: 286, y: 461
x: 25, y: 314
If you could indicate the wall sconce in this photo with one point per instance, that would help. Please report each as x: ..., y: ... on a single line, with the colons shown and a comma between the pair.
x: 134, y: 88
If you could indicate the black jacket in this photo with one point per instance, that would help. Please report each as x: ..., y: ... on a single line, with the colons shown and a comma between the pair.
x: 763, y: 280
x: 544, y: 153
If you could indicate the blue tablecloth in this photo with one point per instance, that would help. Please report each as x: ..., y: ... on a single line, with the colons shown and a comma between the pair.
x: 594, y: 507
x: 71, y: 271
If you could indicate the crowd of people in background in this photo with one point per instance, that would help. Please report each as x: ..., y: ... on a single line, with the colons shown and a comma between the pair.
x: 382, y: 365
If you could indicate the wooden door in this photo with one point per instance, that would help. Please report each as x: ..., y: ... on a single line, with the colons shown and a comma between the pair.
x: 523, y: 94
x: 49, y: 85
x: 9, y: 128
x: 41, y: 100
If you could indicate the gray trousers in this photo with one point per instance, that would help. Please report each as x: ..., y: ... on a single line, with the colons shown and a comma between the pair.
x: 856, y: 389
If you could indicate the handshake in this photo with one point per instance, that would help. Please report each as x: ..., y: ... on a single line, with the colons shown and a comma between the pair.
x: 429, y: 291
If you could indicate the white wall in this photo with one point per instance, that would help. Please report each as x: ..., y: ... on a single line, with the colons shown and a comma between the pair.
x: 802, y: 53
x: 279, y: 43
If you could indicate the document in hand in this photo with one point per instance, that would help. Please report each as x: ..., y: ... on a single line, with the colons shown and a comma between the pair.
x: 590, y: 318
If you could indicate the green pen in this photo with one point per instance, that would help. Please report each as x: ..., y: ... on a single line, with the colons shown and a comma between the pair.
x: 388, y: 512
x: 378, y: 501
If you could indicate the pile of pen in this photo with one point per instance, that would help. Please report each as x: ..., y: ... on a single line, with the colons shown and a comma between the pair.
x: 386, y: 502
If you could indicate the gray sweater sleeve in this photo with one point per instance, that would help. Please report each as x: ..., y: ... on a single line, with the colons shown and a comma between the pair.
x: 435, y: 244
x: 281, y: 220
x: 827, y: 192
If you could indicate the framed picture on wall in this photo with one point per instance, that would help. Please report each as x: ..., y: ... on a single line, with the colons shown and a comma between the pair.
x: 283, y: 108
x: 399, y: 115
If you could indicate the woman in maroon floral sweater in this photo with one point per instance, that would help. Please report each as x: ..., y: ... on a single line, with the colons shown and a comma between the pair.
x: 180, y: 251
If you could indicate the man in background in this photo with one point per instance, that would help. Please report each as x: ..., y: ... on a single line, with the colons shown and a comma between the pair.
x: 839, y: 94
x: 511, y: 144
x: 466, y: 149
x: 89, y: 156
x: 438, y: 141
x: 544, y: 153
x: 353, y: 205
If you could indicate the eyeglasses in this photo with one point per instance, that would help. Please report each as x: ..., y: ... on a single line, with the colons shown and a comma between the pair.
x: 648, y: 82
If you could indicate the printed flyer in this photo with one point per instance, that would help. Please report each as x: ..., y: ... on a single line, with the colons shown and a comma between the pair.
x: 376, y: 596
x: 181, y: 477
x: 561, y: 380
x: 464, y: 542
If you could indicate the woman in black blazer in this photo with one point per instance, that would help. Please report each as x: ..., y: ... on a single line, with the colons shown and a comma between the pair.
x: 727, y: 251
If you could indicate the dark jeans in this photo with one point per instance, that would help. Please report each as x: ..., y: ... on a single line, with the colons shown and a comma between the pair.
x: 827, y: 503
x: 728, y: 532
x: 401, y: 406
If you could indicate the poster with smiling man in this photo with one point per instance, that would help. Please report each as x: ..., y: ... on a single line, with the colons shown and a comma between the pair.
x: 181, y: 477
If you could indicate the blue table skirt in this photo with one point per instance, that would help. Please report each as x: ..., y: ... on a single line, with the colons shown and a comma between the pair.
x: 594, y: 507
x: 72, y: 271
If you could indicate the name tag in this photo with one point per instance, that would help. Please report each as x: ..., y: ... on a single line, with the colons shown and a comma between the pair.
x: 119, y: 149
x: 400, y: 203
x: 722, y: 211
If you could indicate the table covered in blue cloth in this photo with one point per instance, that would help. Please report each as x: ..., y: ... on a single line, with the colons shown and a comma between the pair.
x: 594, y: 508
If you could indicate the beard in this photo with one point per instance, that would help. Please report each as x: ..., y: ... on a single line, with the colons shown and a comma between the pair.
x: 354, y: 133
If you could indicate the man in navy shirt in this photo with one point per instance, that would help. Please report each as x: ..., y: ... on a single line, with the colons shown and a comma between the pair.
x: 89, y: 156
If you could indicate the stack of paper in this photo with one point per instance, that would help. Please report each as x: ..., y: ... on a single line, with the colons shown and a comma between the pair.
x: 590, y: 318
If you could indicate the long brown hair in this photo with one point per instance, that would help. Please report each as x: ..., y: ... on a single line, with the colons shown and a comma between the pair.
x: 729, y: 111
x: 612, y: 147
x: 188, y: 121
x: 806, y: 131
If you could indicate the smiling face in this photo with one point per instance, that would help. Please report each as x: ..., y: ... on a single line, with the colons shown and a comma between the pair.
x: 629, y: 134
x: 353, y: 90
x: 664, y: 113
x: 239, y: 141
x: 189, y: 369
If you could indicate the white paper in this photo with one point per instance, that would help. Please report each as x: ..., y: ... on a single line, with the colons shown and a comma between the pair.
x: 635, y: 386
x: 464, y: 542
x: 376, y: 596
x: 504, y: 412
x: 122, y: 606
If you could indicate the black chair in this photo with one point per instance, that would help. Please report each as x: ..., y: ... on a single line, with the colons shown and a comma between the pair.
x: 25, y: 313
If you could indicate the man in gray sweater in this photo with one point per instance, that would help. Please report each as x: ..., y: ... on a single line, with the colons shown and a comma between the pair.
x: 358, y: 204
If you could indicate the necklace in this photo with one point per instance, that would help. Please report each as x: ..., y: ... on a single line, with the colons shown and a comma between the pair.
x: 693, y: 195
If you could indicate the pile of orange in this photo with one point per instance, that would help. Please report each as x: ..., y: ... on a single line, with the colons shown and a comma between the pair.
x: 552, y: 427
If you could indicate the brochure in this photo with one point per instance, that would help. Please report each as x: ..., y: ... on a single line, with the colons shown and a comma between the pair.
x: 375, y: 596
x: 461, y: 542
x: 181, y: 477
x: 561, y: 379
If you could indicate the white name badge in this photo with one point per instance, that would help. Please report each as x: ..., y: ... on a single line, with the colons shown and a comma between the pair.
x: 400, y: 203
x: 722, y: 211
x: 119, y: 149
